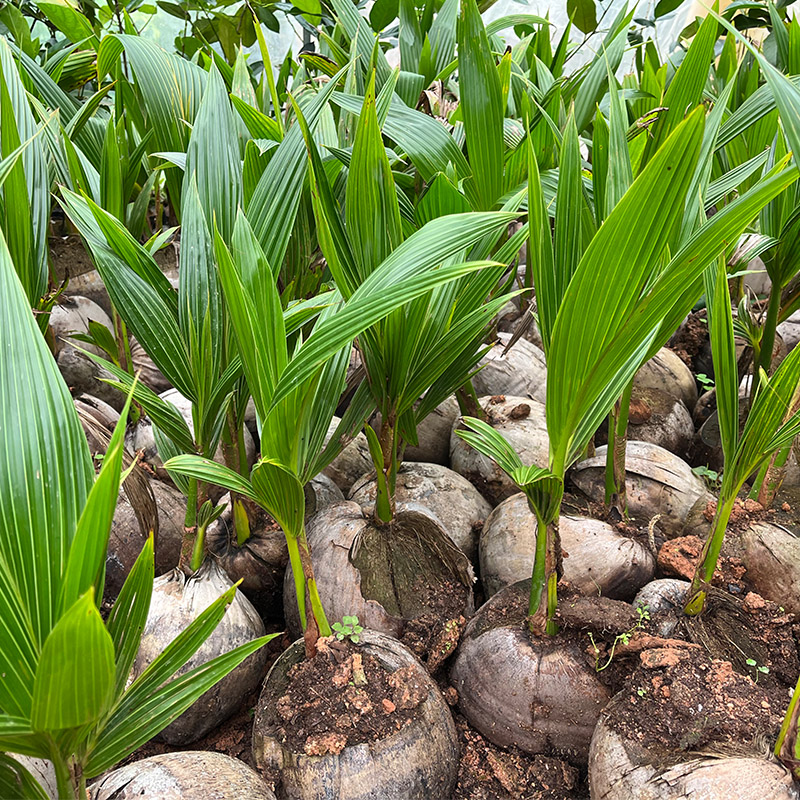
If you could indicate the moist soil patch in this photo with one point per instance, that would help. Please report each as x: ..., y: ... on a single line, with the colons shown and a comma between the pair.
x: 344, y: 696
x: 678, y: 702
x: 488, y: 772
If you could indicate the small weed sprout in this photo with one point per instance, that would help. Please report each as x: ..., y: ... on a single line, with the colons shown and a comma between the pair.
x: 348, y: 628
x: 706, y: 382
x: 641, y: 691
x: 643, y: 613
x: 712, y: 478
x: 760, y: 669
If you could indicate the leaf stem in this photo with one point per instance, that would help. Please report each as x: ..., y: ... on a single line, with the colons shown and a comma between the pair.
x: 64, y: 784
x: 709, y: 557
x: 789, y: 720
x: 768, y: 337
x: 537, y: 579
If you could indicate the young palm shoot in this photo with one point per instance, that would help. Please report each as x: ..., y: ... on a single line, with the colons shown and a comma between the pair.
x: 771, y: 424
x: 617, y: 178
x: 184, y: 334
x: 428, y: 348
x: 613, y: 175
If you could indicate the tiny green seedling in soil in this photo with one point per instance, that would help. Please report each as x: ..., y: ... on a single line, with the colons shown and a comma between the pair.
x: 348, y: 628
x: 712, y: 478
x: 760, y: 669
x: 622, y: 638
x: 706, y: 382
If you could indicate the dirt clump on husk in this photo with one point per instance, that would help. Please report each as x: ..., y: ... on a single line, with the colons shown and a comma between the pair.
x: 679, y: 557
x: 489, y: 772
x: 433, y: 638
x: 690, y: 339
x: 344, y: 696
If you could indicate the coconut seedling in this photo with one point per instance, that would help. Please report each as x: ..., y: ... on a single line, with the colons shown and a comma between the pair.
x: 66, y: 694
x: 612, y: 173
x: 189, y: 338
x: 184, y: 334
x: 780, y: 229
x: 772, y: 424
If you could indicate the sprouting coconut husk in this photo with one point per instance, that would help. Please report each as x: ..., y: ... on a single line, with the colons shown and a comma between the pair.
x: 128, y: 535
x: 452, y: 498
x: 520, y: 371
x: 685, y: 726
x: 522, y: 422
x: 138, y: 508
x: 538, y: 694
x: 706, y: 447
x: 260, y: 562
x: 667, y: 373
x: 72, y: 314
x: 149, y: 374
x: 598, y: 559
x: 140, y: 438
x: 771, y: 554
x: 82, y: 375
x: 188, y: 775
x: 353, y: 461
x: 384, y: 575
x: 417, y: 762
x: 658, y: 418
x: 433, y: 434
x: 176, y: 601
x: 657, y: 482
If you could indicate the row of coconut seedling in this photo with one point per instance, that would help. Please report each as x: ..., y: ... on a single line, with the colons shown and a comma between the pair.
x: 264, y: 390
